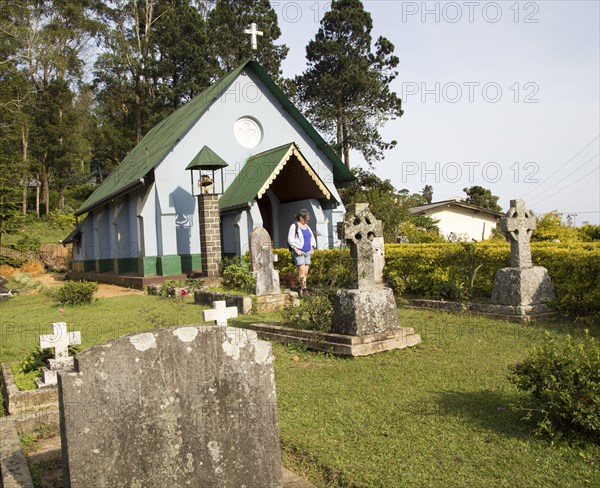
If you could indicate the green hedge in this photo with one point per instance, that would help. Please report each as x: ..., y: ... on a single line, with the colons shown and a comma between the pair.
x: 427, y: 270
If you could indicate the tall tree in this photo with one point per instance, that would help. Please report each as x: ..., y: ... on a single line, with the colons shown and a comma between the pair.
x: 387, y: 204
x: 227, y: 23
x: 482, y: 197
x: 47, y: 39
x: 155, y: 59
x: 346, y: 88
x: 428, y: 193
x: 184, y: 66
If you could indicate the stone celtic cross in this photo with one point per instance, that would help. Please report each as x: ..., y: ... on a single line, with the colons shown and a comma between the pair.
x: 60, y: 340
x: 517, y: 226
x: 362, y: 231
x: 220, y: 313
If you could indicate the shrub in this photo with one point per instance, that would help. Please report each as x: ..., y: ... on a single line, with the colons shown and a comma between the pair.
x: 564, y: 381
x: 76, y: 292
x: 33, y: 267
x: 63, y: 219
x: 28, y: 242
x: 169, y: 288
x: 315, y: 312
x: 237, y: 276
x: 12, y: 262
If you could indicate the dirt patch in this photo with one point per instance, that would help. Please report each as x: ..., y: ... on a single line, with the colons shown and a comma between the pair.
x: 45, y: 462
x: 54, y: 280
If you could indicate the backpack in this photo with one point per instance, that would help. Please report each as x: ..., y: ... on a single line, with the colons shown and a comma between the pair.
x: 296, y: 233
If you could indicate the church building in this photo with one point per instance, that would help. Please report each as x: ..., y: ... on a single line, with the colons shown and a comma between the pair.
x: 144, y: 220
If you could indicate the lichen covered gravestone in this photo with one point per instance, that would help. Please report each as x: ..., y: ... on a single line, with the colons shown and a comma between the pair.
x: 189, y: 406
x: 370, y: 308
x: 261, y: 257
x: 521, y: 285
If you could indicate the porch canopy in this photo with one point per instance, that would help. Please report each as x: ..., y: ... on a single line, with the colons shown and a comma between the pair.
x: 283, y: 170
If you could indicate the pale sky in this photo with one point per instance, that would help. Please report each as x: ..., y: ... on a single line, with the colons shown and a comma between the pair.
x: 504, y: 95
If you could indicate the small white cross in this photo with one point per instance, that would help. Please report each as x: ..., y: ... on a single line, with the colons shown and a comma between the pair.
x: 253, y: 32
x: 220, y: 313
x: 60, y: 340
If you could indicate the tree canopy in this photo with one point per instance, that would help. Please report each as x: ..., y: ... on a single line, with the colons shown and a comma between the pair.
x: 482, y: 197
x: 345, y: 89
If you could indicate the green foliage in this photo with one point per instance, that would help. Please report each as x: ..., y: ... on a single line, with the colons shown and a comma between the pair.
x: 391, y: 207
x: 315, y: 312
x: 28, y: 242
x: 482, y: 197
x: 551, y: 228
x: 453, y: 288
x: 14, y: 262
x: 346, y: 86
x: 563, y: 378
x: 589, y: 233
x: 25, y: 281
x: 63, y: 219
x: 76, y: 292
x: 228, y: 21
x: 237, y: 275
x: 30, y: 368
x: 190, y: 285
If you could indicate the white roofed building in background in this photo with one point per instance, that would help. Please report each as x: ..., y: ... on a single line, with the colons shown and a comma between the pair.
x: 460, y: 221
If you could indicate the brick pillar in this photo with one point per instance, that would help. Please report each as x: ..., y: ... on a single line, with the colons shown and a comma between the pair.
x: 210, y: 234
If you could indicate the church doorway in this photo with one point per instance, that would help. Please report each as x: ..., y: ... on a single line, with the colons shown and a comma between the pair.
x: 266, y: 213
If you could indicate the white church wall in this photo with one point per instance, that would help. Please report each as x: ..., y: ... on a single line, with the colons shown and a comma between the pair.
x: 215, y: 129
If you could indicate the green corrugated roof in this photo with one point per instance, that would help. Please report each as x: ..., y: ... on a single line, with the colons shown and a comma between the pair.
x: 207, y: 159
x: 161, y: 139
x: 251, y: 178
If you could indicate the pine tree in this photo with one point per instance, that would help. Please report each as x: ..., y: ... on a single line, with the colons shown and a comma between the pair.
x: 482, y: 197
x: 227, y: 23
x: 345, y: 90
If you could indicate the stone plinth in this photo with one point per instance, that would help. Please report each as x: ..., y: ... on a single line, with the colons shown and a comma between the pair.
x: 365, y: 311
x: 339, y: 344
x: 522, y: 286
x: 189, y: 406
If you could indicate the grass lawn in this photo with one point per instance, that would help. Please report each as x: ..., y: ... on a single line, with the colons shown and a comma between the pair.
x: 435, y: 415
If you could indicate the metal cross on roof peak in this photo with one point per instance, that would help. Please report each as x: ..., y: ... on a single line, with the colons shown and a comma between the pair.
x: 254, y: 32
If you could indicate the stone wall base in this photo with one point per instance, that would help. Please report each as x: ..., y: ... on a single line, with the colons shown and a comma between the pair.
x: 503, y: 312
x: 339, y: 344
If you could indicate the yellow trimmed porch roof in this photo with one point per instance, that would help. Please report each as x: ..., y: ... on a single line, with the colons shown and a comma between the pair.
x: 284, y: 170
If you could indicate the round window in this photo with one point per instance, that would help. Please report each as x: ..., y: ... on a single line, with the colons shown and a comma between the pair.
x: 247, y: 132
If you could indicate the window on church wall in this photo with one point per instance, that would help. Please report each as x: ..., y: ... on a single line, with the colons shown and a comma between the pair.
x: 248, y: 132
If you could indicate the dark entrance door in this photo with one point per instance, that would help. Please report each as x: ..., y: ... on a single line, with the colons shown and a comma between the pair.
x: 266, y: 213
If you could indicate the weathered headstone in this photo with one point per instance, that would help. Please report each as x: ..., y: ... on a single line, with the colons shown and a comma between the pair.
x: 517, y: 226
x: 261, y: 257
x: 364, y: 235
x: 521, y: 285
x: 371, y: 308
x: 220, y: 313
x: 189, y: 406
x: 60, y: 340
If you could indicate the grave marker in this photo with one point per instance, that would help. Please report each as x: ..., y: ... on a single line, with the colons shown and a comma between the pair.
x: 261, y: 259
x: 189, y: 406
x: 220, y: 313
